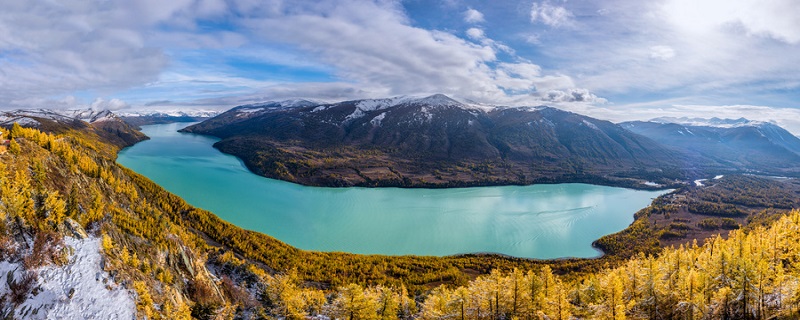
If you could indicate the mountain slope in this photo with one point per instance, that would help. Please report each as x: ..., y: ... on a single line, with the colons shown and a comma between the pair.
x: 432, y: 141
x: 83, y: 237
x: 727, y: 145
x: 104, y: 123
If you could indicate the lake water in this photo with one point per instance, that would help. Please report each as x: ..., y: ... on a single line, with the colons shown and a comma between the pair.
x: 538, y: 221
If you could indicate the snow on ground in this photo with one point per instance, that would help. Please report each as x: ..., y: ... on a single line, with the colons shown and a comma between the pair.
x: 250, y: 110
x: 367, y: 105
x: 436, y: 100
x: 23, y: 121
x: 78, y: 290
x: 377, y: 120
x: 699, y: 182
x: 169, y: 113
x: 718, y: 177
x: 713, y: 122
x: 591, y: 125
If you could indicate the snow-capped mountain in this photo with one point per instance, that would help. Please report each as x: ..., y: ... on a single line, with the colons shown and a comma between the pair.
x: 420, y: 133
x: 713, y: 122
x: 169, y: 113
x: 726, y: 143
x: 104, y: 122
x: 34, y: 116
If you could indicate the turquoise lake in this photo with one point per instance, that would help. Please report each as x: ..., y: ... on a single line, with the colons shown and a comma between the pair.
x: 538, y: 221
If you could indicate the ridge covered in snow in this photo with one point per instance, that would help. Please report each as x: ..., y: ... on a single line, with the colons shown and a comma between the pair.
x: 713, y: 122
x: 169, y: 113
x: 28, y: 117
x: 436, y: 100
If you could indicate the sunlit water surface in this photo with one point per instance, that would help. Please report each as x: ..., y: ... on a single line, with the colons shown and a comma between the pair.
x: 538, y: 221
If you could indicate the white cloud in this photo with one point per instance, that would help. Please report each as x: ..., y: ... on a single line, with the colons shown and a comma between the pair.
x: 476, y: 33
x: 103, y: 104
x: 551, y: 15
x: 680, y: 48
x: 160, y: 51
x: 68, y: 102
x: 373, y: 45
x: 48, y: 48
x: 662, y: 52
x: 776, y: 19
x: 473, y: 16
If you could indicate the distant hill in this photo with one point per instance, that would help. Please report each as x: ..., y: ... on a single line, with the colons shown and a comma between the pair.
x: 141, y: 118
x: 434, y: 141
x: 103, y: 122
x: 721, y: 145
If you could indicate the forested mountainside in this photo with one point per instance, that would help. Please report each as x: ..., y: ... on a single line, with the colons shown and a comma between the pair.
x: 104, y: 123
x: 64, y: 199
x: 750, y: 275
x: 435, y: 142
x: 726, y: 145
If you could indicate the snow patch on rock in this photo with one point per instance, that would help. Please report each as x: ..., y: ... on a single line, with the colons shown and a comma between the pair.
x: 591, y: 125
x: 22, y: 120
x: 250, y: 110
x: 79, y: 290
x: 437, y: 100
x: 377, y: 120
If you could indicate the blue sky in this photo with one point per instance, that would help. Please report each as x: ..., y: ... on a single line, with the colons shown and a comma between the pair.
x: 616, y: 59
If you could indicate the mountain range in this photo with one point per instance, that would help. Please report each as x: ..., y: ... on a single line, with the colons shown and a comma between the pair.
x: 434, y: 141
x: 105, y: 123
x: 726, y: 145
x: 87, y: 238
x: 437, y: 141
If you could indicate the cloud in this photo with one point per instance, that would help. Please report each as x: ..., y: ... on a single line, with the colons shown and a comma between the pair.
x: 373, y: 45
x: 662, y: 52
x: 551, y: 15
x: 48, y: 48
x: 677, y: 48
x: 574, y: 95
x: 200, y: 52
x: 473, y: 16
x: 69, y: 102
x: 776, y: 19
x: 476, y: 33
x: 113, y: 104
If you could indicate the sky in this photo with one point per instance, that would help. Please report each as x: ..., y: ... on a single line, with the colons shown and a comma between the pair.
x: 616, y: 60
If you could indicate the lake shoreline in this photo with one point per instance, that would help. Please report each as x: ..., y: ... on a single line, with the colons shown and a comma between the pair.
x: 505, y: 219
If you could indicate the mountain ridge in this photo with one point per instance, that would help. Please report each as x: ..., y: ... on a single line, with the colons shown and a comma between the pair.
x: 434, y: 141
x: 103, y: 122
x: 727, y: 145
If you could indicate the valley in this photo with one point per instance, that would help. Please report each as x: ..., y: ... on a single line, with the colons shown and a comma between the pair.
x: 399, y: 160
x: 539, y: 221
x: 173, y: 255
x: 436, y: 141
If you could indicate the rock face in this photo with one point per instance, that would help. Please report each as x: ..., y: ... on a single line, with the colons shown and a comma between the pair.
x: 432, y: 141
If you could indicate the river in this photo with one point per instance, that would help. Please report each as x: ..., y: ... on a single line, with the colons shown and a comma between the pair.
x: 537, y: 221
